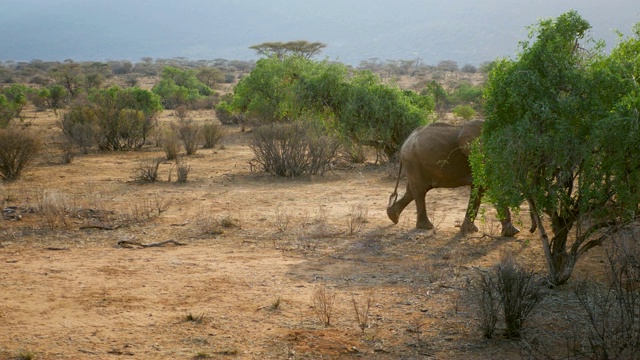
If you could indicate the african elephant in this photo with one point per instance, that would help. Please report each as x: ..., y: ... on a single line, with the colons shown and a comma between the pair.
x: 437, y: 156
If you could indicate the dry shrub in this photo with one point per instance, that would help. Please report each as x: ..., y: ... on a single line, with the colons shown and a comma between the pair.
x: 355, y: 153
x: 323, y: 300
x: 512, y: 289
x: 182, y: 170
x: 361, y: 310
x: 148, y: 207
x: 54, y: 207
x: 67, y: 151
x: 489, y: 302
x: 357, y: 218
x: 613, y: 311
x: 282, y: 219
x: 18, y: 149
x: 520, y: 293
x: 170, y: 144
x: 212, y: 134
x: 293, y: 149
x: 190, y: 133
x: 147, y: 170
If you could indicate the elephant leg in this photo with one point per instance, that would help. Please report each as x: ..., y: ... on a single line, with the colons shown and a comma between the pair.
x: 394, y: 210
x: 508, y: 229
x: 472, y: 210
x: 422, y: 221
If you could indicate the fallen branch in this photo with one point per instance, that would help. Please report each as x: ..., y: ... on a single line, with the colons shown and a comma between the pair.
x: 100, y: 227
x: 133, y: 244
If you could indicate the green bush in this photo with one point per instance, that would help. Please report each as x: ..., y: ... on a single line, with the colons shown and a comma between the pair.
x: 180, y: 87
x: 465, y: 112
x: 80, y: 127
x: 224, y: 113
x: 113, y: 119
x: 381, y: 116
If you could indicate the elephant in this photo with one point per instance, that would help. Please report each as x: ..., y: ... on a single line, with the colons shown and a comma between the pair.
x: 437, y: 156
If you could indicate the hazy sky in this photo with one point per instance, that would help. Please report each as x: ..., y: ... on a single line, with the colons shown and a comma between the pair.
x: 467, y: 31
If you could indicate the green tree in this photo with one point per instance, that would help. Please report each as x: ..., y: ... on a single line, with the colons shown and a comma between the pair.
x: 284, y: 90
x: 361, y: 107
x: 378, y: 115
x: 561, y: 132
x: 209, y: 76
x: 439, y: 95
x: 281, y: 50
x: 180, y: 87
x: 70, y: 75
x: 56, y: 95
x: 114, y: 118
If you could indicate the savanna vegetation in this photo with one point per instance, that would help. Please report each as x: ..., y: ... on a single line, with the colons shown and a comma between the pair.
x: 560, y: 139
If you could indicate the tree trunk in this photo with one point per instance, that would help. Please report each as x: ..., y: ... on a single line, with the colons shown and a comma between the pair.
x: 560, y: 263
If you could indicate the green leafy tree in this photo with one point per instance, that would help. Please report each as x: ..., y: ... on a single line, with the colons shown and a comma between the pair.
x: 180, y: 87
x: 439, y: 95
x: 284, y: 90
x: 562, y: 132
x: 361, y: 107
x: 378, y: 115
x: 56, y: 95
x: 210, y: 76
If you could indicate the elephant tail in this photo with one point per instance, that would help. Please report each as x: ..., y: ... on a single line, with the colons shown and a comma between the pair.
x: 394, y: 195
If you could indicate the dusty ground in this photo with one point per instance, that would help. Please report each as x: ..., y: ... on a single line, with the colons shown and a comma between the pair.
x: 254, y: 251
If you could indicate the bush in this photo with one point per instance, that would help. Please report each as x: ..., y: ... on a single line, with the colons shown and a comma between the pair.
x: 468, y: 68
x: 465, y: 112
x: 171, y: 144
x: 515, y: 289
x: 613, y: 312
x: 225, y: 114
x: 80, y: 127
x: 212, y: 134
x: 147, y: 170
x: 293, y: 149
x: 182, y: 170
x: 114, y: 119
x: 180, y: 87
x: 18, y: 149
x: 190, y: 133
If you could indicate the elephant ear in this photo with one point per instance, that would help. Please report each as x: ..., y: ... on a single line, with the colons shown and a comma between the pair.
x: 468, y: 132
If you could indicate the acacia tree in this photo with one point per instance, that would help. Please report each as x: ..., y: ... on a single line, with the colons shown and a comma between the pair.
x: 281, y: 50
x: 561, y: 131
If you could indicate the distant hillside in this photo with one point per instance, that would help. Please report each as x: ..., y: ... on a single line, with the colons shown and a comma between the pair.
x: 462, y: 30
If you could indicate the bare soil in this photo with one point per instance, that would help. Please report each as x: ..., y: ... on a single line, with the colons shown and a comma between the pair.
x: 254, y: 250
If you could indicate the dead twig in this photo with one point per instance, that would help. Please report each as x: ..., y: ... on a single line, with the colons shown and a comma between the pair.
x: 133, y: 244
x: 100, y: 227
